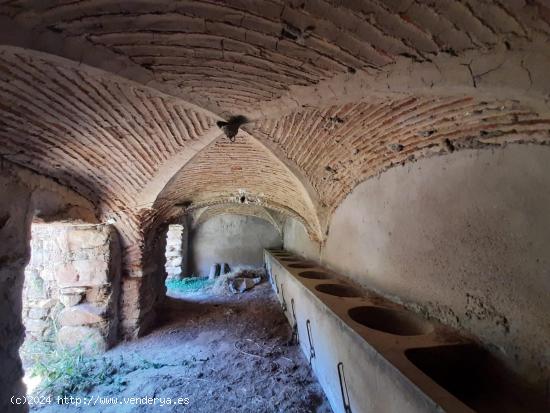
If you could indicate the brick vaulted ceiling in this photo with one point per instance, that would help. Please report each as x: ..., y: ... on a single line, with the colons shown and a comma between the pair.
x: 119, y: 99
x: 102, y: 137
x: 240, y: 172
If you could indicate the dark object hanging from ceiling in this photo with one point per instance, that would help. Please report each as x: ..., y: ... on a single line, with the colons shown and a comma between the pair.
x: 231, y: 127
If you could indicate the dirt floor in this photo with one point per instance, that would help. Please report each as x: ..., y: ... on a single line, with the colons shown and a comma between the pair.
x: 224, y: 353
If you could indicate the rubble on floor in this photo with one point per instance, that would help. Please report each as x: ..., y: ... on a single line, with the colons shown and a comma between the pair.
x: 240, y: 281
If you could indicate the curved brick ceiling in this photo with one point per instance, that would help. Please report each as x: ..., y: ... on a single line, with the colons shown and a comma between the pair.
x: 340, y: 146
x: 238, y: 172
x: 111, y: 139
x: 230, y: 55
x: 103, y: 138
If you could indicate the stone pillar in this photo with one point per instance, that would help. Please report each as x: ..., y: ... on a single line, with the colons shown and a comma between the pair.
x: 73, y: 281
x: 40, y: 291
x: 143, y: 288
x: 174, y: 252
x: 88, y: 278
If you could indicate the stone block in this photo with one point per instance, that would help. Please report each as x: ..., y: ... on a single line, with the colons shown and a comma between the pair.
x: 174, y: 261
x: 173, y: 270
x: 71, y: 296
x: 240, y: 285
x: 176, y: 270
x: 83, y: 273
x: 99, y: 296
x: 48, y: 303
x: 38, y: 313
x: 176, y: 252
x: 36, y: 327
x: 68, y: 300
x: 87, y: 238
x: 90, y: 340
x: 81, y: 314
x: 73, y: 290
x: 49, y: 273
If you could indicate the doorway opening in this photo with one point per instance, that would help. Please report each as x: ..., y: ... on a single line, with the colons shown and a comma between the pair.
x: 70, y: 299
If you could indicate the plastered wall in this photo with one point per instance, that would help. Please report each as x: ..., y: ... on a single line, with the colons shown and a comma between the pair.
x: 234, y: 239
x: 462, y: 238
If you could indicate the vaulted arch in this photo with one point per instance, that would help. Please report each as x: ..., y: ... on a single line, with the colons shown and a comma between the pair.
x: 240, y: 172
x: 202, y: 215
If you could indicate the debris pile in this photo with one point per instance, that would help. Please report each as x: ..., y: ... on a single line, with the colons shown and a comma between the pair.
x: 240, y: 281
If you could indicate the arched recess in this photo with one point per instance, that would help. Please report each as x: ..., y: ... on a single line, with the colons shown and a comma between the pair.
x: 97, y: 134
x: 150, y: 192
x: 25, y: 195
x: 236, y: 237
x: 103, y: 137
x: 249, y: 174
x: 202, y: 215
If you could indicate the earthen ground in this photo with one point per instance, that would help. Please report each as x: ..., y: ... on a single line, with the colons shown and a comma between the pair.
x: 226, y: 353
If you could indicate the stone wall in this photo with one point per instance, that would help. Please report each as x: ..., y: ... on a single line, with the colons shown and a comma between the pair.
x: 174, y: 251
x: 72, y: 286
x: 462, y: 238
x: 41, y: 303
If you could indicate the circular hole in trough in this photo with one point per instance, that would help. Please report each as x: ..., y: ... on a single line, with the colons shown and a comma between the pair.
x: 338, y: 290
x: 315, y: 275
x: 306, y: 264
x: 388, y: 320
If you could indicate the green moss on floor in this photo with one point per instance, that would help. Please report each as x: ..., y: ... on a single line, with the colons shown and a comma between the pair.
x: 190, y: 284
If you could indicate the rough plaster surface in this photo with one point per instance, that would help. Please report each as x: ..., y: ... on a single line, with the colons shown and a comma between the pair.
x: 296, y: 239
x: 24, y: 195
x: 234, y: 239
x: 462, y: 238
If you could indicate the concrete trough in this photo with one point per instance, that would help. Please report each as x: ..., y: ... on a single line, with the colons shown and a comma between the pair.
x: 371, y: 355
